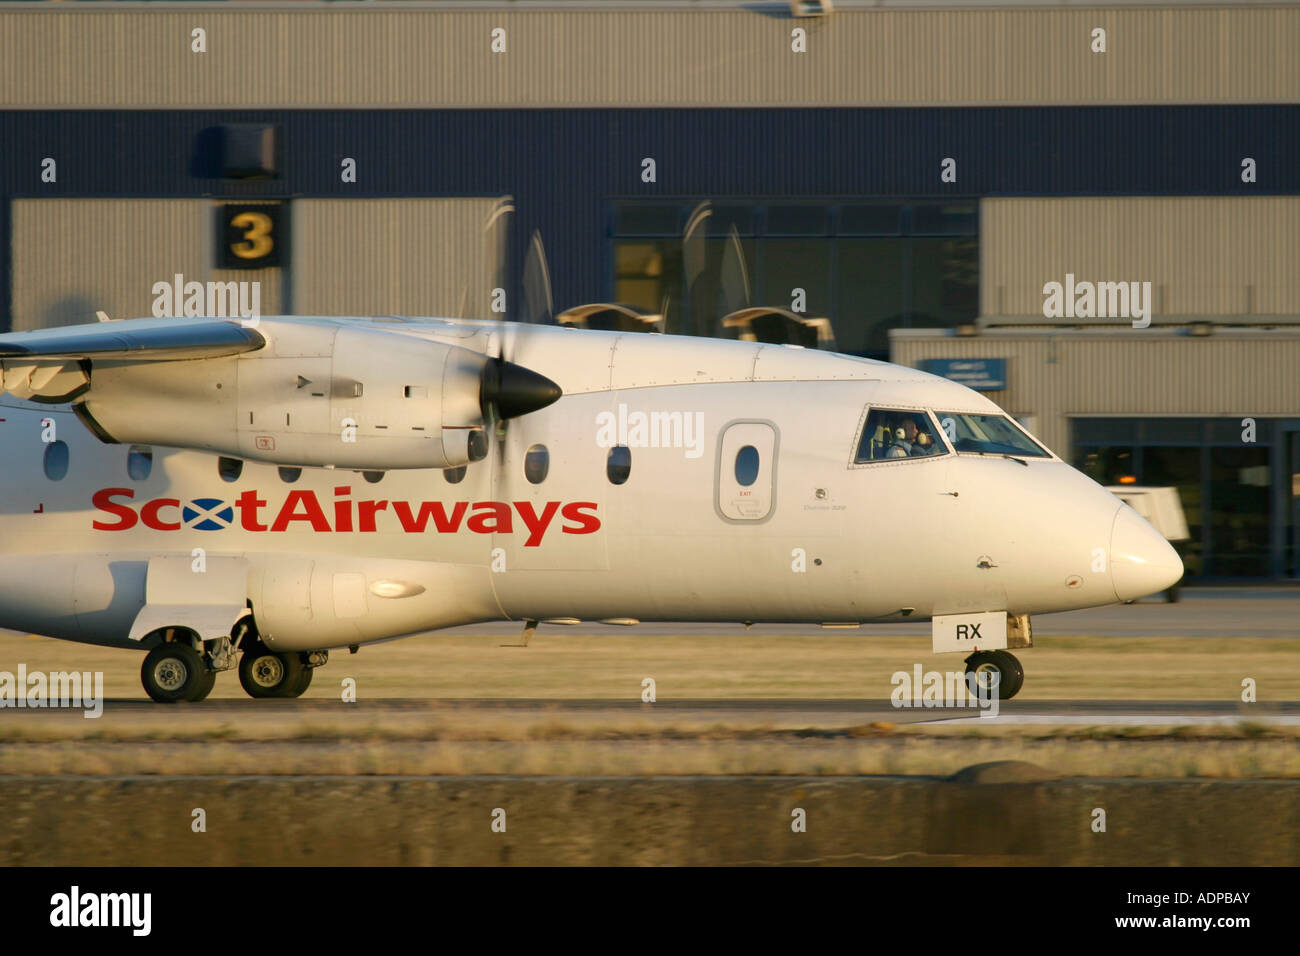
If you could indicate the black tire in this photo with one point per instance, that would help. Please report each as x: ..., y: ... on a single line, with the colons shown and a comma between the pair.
x: 264, y: 673
x: 174, y: 672
x: 206, y: 686
x: 1011, y: 676
x: 1013, y: 672
x: 303, y: 682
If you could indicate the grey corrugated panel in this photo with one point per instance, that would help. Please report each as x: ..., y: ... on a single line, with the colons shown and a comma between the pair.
x: 1141, y: 373
x: 72, y: 257
x: 394, y: 256
x: 96, y: 56
x: 1203, y: 255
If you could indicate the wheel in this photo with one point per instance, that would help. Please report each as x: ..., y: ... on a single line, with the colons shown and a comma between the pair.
x: 264, y: 673
x: 984, y: 664
x: 209, y: 680
x: 174, y: 672
x: 303, y: 682
x: 1013, y: 672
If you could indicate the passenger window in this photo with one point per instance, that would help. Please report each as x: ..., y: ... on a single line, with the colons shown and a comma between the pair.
x: 56, y: 460
x: 139, y: 462
x: 229, y: 468
x: 290, y: 475
x: 455, y: 476
x: 618, y: 464
x: 898, y: 433
x: 374, y: 477
x: 747, y: 465
x: 537, y: 462
x: 478, y: 444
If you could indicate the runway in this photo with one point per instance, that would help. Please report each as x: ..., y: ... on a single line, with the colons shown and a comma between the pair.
x: 1105, y: 666
x: 782, y: 711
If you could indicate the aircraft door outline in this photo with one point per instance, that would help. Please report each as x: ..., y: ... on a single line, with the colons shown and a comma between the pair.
x: 752, y: 501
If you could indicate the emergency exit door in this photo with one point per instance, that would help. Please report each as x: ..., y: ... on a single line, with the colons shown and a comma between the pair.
x: 746, y: 477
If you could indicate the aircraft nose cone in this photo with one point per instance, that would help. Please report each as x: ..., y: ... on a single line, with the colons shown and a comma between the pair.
x: 1142, y: 562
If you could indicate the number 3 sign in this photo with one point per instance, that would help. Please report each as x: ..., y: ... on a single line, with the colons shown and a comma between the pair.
x: 251, y: 236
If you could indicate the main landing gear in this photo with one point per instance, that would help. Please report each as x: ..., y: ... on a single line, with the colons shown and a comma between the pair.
x: 174, y: 672
x: 264, y: 673
x: 184, y: 669
x: 984, y: 666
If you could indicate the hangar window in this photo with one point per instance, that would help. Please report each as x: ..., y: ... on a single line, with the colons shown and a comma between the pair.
x: 747, y: 465
x: 537, y: 462
x: 139, y: 462
x: 56, y: 460
x: 871, y: 220
x: 864, y: 268
x: 618, y: 464
x: 455, y: 476
x: 290, y: 475
x: 893, y: 433
x: 796, y: 220
x: 229, y: 468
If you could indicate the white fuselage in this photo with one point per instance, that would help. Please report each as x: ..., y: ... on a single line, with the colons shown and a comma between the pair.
x: 334, y: 559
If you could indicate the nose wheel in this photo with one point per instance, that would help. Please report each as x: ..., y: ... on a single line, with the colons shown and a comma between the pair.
x: 983, y: 667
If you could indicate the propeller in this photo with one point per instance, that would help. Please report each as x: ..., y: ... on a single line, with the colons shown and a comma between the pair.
x: 733, y: 277
x: 695, y: 256
x: 508, y: 390
x: 539, y: 307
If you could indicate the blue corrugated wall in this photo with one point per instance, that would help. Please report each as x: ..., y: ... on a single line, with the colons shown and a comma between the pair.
x: 562, y: 166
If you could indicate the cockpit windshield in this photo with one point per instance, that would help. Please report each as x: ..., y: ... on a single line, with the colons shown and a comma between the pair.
x: 989, y: 435
x: 892, y: 433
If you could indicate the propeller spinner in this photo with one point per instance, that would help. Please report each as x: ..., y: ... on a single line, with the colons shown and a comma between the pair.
x: 514, y: 390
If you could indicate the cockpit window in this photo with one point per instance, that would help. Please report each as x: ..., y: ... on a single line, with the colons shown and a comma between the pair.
x: 989, y: 435
x: 898, y: 433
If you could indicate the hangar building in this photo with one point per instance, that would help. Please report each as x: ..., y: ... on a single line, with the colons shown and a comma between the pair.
x: 900, y: 180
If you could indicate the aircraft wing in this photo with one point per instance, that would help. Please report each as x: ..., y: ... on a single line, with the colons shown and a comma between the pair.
x: 158, y: 340
x: 329, y: 393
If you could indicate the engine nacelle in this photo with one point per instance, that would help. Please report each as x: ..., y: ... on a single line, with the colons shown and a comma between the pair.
x: 317, y: 394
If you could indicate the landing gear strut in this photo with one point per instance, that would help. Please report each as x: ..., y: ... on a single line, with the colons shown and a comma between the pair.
x: 984, y: 665
x: 264, y: 673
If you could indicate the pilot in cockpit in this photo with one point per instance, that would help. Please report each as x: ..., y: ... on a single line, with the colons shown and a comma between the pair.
x: 911, y: 440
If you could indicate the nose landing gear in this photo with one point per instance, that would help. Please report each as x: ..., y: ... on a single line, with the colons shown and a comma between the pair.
x: 983, y: 666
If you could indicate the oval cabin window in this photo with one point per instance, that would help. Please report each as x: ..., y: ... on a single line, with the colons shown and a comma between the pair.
x: 536, y: 464
x: 56, y: 460
x: 618, y: 464
x: 139, y: 462
x: 747, y: 465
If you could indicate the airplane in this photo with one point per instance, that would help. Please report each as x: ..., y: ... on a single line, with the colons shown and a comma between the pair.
x: 224, y: 493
